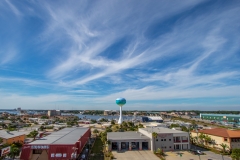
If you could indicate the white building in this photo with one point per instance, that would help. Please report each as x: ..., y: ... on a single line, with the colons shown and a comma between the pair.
x: 167, y: 139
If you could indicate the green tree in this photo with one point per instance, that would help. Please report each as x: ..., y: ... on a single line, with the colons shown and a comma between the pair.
x: 95, y: 131
x: 154, y: 135
x: 33, y: 134
x: 235, y: 154
x: 140, y: 125
x: 224, y: 146
x: 207, y: 139
x: 213, y: 143
x: 14, y: 151
x: 159, y: 151
x: 112, y: 122
x: 201, y: 137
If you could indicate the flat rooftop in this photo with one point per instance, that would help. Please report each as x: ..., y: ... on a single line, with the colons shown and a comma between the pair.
x: 229, y: 115
x: 64, y: 136
x: 4, y: 134
x: 154, y: 117
x: 161, y: 130
x: 125, y: 135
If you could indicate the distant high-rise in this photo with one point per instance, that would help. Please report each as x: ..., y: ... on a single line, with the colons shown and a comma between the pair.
x: 54, y: 113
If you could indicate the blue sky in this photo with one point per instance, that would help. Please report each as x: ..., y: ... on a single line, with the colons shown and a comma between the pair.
x: 159, y: 55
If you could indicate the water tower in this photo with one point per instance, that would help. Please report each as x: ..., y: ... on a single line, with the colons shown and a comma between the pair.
x: 120, y: 102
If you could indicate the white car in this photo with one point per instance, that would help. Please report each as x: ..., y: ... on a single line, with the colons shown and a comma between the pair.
x: 199, y: 152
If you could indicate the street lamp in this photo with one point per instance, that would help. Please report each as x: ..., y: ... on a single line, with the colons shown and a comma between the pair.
x: 199, y: 156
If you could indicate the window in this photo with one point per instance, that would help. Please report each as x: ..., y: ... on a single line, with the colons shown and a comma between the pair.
x: 225, y: 139
x: 170, y: 139
x: 37, y: 151
x: 156, y: 139
x: 170, y: 147
x: 164, y: 139
x: 161, y: 139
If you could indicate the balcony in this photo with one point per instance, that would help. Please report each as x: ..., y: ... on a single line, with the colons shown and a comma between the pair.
x: 185, y: 140
x: 177, y: 141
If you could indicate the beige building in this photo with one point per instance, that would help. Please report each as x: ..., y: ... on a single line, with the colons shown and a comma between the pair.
x: 220, y: 135
x: 54, y: 113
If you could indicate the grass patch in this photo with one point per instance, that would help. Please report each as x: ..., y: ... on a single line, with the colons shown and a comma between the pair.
x: 97, y: 150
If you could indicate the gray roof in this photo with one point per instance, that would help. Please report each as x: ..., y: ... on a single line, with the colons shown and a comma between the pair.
x: 161, y: 130
x: 64, y: 136
x: 4, y: 134
x: 125, y: 135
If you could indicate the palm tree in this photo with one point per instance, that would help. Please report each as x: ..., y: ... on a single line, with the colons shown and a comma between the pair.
x: 33, y: 134
x: 14, y: 152
x: 201, y: 137
x: 159, y: 151
x: 195, y: 139
x: 213, y: 142
x: 224, y: 146
x: 154, y: 135
x: 95, y: 131
x: 207, y: 139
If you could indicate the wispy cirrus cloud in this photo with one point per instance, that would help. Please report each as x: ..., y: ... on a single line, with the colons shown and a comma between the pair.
x: 162, y: 50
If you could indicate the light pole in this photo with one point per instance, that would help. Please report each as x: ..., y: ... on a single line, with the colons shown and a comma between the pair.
x: 189, y: 136
x: 199, y: 156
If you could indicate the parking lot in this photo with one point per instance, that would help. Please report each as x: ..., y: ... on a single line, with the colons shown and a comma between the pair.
x: 189, y: 156
x: 135, y: 155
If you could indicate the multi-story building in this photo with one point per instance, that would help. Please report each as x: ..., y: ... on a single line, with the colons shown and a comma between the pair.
x: 221, y: 117
x: 219, y: 136
x: 54, y: 113
x: 167, y: 139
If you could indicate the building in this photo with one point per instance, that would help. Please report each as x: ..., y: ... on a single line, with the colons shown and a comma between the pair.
x: 152, y: 119
x: 221, y: 117
x: 167, y: 139
x: 219, y: 135
x: 13, y: 136
x: 110, y: 112
x: 64, y: 144
x: 128, y: 141
x: 54, y: 113
x: 154, y: 124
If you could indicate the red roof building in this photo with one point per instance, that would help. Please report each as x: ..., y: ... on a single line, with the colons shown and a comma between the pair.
x: 64, y: 144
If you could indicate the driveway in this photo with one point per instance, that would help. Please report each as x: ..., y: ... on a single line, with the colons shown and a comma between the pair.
x: 135, y: 155
x: 189, y: 156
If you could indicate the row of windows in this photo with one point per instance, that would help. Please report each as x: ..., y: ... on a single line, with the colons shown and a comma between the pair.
x: 164, y: 139
x: 235, y: 139
x: 220, y: 118
x: 166, y: 147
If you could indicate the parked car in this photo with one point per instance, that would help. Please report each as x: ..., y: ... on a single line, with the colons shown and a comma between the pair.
x: 193, y: 151
x: 199, y: 152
